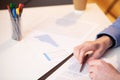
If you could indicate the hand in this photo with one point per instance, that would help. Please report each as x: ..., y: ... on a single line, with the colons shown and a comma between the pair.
x: 100, y: 70
x: 98, y: 47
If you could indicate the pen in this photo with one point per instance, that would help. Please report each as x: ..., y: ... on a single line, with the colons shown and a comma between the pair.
x: 17, y: 11
x: 84, y: 62
x: 12, y: 6
x: 14, y: 13
x: 8, y: 7
x: 20, y: 8
x: 88, y: 54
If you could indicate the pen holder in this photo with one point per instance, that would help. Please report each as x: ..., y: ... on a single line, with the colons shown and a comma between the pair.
x: 15, y: 16
x: 16, y: 28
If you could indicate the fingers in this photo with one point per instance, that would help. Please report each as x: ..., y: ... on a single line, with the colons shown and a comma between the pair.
x: 98, y: 53
x: 97, y: 67
x: 86, y: 48
x: 95, y: 62
x: 77, y: 52
x: 91, y: 75
x: 93, y: 68
x: 80, y: 52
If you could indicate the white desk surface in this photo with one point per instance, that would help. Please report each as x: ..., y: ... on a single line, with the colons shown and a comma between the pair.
x: 30, y: 18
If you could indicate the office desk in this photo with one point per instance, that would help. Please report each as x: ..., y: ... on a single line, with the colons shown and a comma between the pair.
x: 20, y: 67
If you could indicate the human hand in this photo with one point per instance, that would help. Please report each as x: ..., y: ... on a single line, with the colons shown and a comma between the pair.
x: 97, y: 47
x: 100, y: 70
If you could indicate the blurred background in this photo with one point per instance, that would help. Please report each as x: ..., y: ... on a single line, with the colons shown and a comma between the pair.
x: 110, y: 7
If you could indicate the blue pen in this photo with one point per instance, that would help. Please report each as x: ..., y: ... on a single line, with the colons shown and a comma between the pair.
x: 14, y: 23
x: 14, y: 35
x: 14, y: 13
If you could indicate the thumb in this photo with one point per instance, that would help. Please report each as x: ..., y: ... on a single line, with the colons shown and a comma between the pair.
x: 83, y: 54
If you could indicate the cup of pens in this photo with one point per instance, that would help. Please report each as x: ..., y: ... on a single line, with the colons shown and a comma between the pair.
x: 15, y: 16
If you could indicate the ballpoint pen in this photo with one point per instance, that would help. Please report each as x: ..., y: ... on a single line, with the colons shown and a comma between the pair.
x: 12, y: 6
x: 8, y: 7
x: 17, y: 11
x: 84, y: 62
x: 20, y: 8
x: 88, y: 54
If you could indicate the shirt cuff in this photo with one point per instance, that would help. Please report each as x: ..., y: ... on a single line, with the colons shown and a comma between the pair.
x: 113, y: 33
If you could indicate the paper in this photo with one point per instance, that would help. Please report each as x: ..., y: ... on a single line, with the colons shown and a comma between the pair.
x: 46, y: 38
x: 70, y: 71
x: 50, y: 54
x: 70, y: 25
x: 51, y: 40
x: 26, y: 60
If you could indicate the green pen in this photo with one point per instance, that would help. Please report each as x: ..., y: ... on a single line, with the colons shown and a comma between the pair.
x: 12, y: 6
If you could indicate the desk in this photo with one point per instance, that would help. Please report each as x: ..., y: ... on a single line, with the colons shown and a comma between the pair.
x: 28, y: 69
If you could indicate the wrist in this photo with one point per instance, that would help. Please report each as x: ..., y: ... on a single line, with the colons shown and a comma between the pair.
x: 105, y: 41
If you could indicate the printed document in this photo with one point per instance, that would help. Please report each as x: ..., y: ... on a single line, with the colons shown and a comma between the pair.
x: 71, y: 69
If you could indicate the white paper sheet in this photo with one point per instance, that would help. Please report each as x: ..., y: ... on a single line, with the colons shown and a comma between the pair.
x: 26, y: 59
x: 70, y: 25
x: 70, y: 70
x: 53, y: 48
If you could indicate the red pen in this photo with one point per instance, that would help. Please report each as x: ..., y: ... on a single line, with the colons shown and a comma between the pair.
x: 20, y: 8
